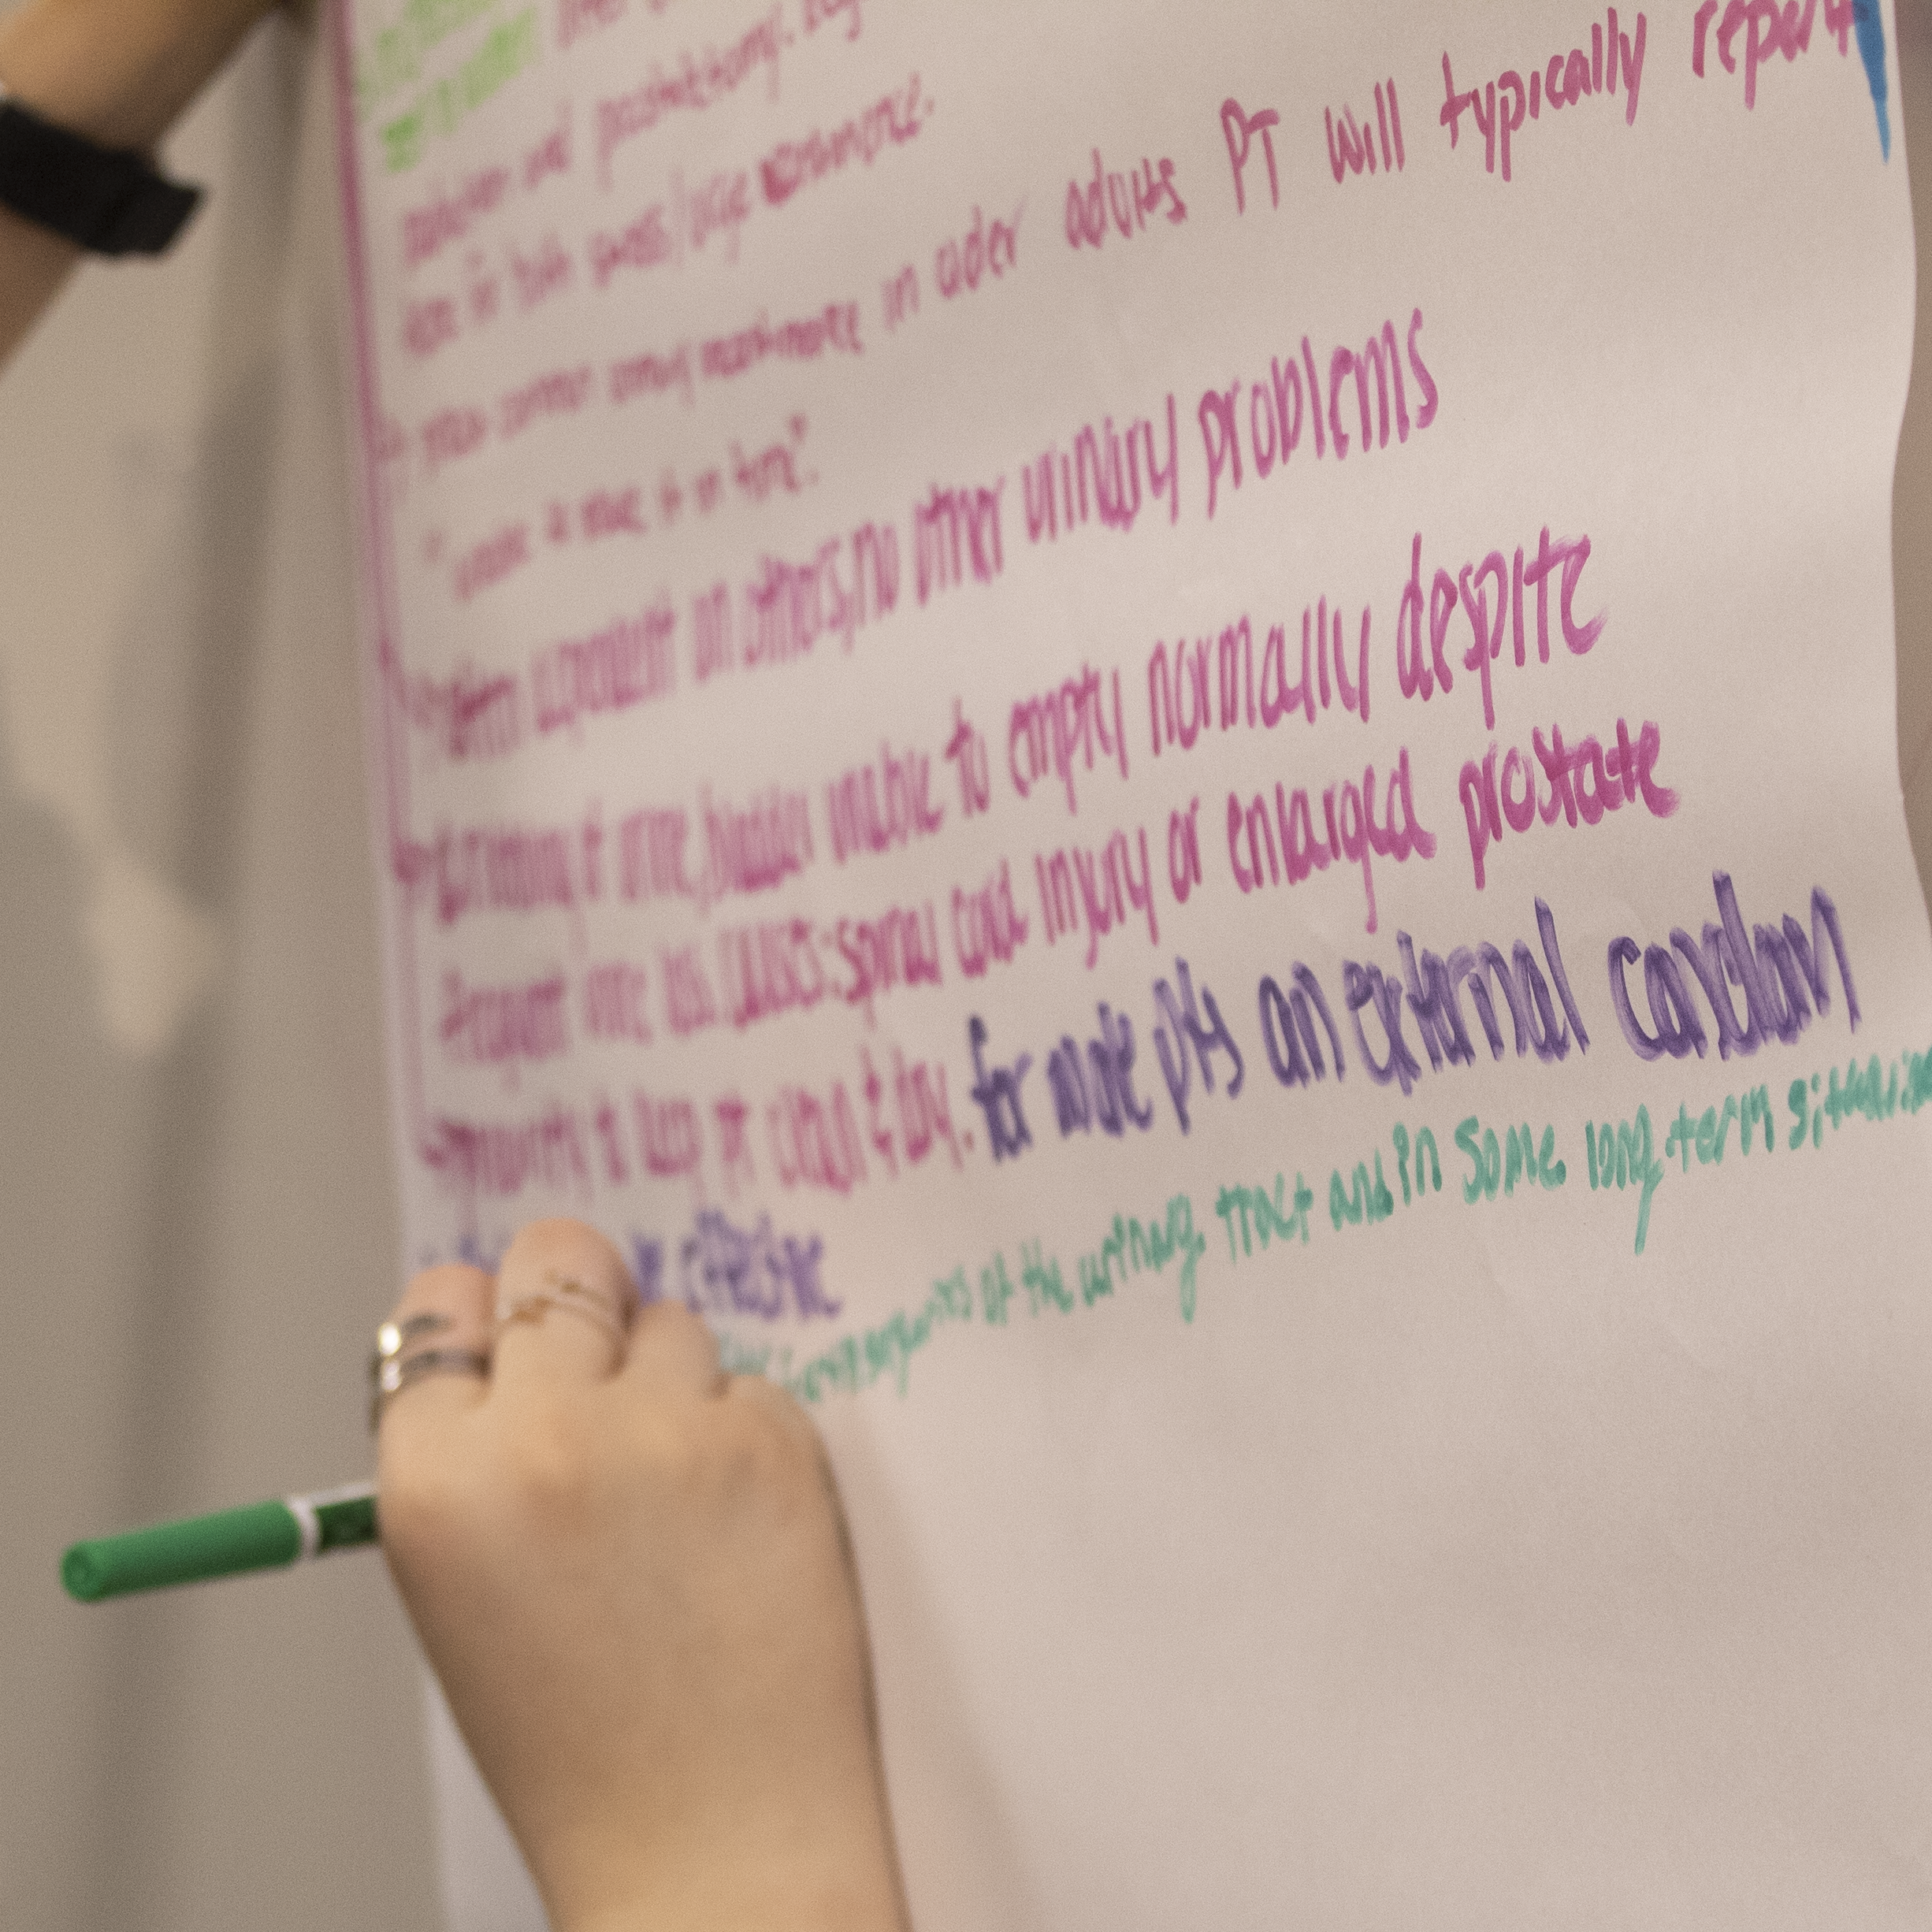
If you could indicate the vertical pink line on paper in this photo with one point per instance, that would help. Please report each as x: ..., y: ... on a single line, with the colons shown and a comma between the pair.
x: 382, y: 667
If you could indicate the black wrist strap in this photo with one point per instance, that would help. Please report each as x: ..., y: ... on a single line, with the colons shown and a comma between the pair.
x: 110, y: 201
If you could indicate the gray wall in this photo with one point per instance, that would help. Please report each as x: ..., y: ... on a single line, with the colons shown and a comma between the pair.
x: 195, y: 1208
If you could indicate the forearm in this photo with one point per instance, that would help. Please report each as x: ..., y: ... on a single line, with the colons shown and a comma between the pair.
x: 119, y: 71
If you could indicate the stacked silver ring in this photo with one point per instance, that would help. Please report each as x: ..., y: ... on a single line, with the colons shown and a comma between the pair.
x: 394, y: 1366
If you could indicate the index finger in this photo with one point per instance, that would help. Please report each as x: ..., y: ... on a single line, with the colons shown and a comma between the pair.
x: 672, y: 1353
x: 443, y: 1325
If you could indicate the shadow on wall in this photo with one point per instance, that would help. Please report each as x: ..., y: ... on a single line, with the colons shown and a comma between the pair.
x: 193, y: 1175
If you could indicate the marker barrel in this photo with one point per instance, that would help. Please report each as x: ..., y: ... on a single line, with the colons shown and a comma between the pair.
x: 259, y: 1536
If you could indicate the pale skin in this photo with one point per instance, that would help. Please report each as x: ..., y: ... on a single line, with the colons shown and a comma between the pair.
x: 121, y: 71
x: 630, y: 1572
x: 631, y: 1576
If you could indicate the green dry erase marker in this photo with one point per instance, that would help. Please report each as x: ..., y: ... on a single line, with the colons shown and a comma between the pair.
x: 261, y: 1535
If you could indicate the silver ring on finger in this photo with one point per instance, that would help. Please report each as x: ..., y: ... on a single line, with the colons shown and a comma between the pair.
x: 394, y: 1366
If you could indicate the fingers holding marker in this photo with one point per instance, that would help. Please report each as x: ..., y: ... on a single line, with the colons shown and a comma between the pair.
x: 564, y: 1303
x: 436, y: 1347
x: 672, y: 1354
x: 630, y: 1572
x: 432, y: 1374
x: 786, y: 1414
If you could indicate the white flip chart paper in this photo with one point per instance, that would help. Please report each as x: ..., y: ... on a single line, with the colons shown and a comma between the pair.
x: 1161, y: 741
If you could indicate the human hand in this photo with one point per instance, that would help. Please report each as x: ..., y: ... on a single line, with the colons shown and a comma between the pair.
x: 632, y: 1575
x: 119, y: 71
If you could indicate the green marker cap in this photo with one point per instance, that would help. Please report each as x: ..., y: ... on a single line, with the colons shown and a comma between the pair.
x: 259, y: 1536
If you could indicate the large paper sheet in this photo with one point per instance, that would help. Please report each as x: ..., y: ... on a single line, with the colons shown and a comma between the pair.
x: 1161, y: 743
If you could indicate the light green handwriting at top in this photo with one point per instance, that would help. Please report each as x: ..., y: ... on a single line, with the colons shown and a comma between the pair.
x: 513, y: 48
x: 391, y: 58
